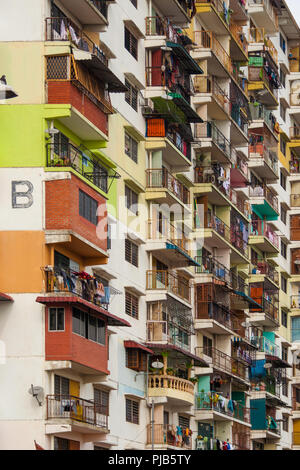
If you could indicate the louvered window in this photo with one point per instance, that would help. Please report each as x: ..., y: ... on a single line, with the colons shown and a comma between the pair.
x: 131, y: 305
x: 131, y: 200
x: 136, y: 359
x: 207, y: 346
x: 131, y: 96
x: 132, y: 411
x: 184, y: 422
x: 101, y: 398
x: 131, y: 252
x: 88, y: 207
x: 131, y: 43
x: 61, y: 386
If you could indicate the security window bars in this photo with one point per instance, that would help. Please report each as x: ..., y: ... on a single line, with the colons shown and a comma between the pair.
x: 131, y: 252
x: 88, y: 207
x: 132, y: 411
x: 283, y: 284
x: 131, y: 96
x: 184, y: 422
x: 131, y: 305
x: 56, y: 319
x: 131, y: 200
x: 131, y: 43
x: 101, y: 399
x: 283, y: 250
x: 131, y: 147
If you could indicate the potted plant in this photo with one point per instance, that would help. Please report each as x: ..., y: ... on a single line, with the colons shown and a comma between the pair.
x: 194, y: 380
x: 170, y: 371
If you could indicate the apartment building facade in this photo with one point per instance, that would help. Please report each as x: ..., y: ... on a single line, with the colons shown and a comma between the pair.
x: 149, y: 246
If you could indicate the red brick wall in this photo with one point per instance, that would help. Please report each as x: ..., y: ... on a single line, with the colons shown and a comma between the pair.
x: 67, y: 93
x: 62, y: 210
x: 67, y: 346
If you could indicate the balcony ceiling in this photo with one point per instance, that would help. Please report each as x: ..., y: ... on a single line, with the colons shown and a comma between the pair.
x: 172, y: 10
x: 85, y: 12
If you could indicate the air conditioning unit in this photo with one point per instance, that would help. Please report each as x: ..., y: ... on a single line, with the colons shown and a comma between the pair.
x: 148, y: 106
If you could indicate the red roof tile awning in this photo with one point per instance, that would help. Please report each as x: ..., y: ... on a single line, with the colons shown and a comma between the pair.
x: 78, y: 301
x: 134, y: 345
x: 5, y: 298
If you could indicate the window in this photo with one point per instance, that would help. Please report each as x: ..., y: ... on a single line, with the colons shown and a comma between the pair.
x: 88, y: 207
x: 282, y: 112
x: 136, y: 359
x: 131, y: 43
x: 88, y: 326
x: 131, y: 200
x: 131, y: 305
x: 283, y: 284
x: 131, y: 252
x: 61, y: 385
x: 283, y: 249
x: 56, y: 319
x: 131, y: 96
x: 284, y: 319
x: 283, y: 215
x: 184, y: 422
x: 283, y: 180
x: 285, y: 423
x: 285, y: 388
x: 284, y: 353
x: 131, y: 147
x: 108, y: 237
x: 61, y: 444
x: 283, y: 78
x: 207, y: 346
x: 283, y: 146
x: 132, y: 411
x: 295, y: 329
x: 282, y: 43
x: 101, y: 399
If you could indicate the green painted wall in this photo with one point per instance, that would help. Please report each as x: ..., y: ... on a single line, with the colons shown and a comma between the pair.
x: 204, y: 383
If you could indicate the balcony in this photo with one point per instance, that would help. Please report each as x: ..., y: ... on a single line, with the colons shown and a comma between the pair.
x: 239, y: 44
x: 178, y: 391
x: 213, y: 139
x: 167, y: 281
x: 259, y: 42
x: 295, y: 200
x: 266, y: 384
x: 171, y: 140
x: 295, y: 228
x: 159, y: 30
x: 265, y: 203
x: 212, y: 405
x: 295, y: 302
x: 90, y: 13
x: 261, y: 115
x: 264, y: 15
x: 84, y: 416
x: 178, y: 10
x: 260, y: 81
x: 221, y: 361
x: 208, y: 91
x: 267, y: 315
x: 215, y: 318
x: 264, y: 161
x: 265, y: 269
x: 268, y: 347
x: 161, y: 185
x: 165, y: 437
x: 213, y: 14
x: 169, y: 241
x: 295, y: 168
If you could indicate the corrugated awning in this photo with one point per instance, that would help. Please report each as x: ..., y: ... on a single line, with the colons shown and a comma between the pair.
x: 5, y: 298
x: 248, y: 299
x: 101, y: 70
x: 172, y: 347
x: 191, y: 261
x: 189, y: 64
x: 78, y: 301
x: 277, y: 362
x: 134, y: 345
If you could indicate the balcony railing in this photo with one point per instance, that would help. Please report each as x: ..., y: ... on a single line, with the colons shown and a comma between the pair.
x: 219, y: 313
x: 268, y: 347
x: 224, y: 362
x: 265, y: 268
x: 77, y: 409
x: 295, y: 200
x: 66, y: 281
x: 165, y: 435
x: 158, y: 229
x: 161, y: 178
x: 214, y: 401
x: 101, y: 5
x: 218, y: 6
x: 239, y: 118
x: 86, y: 164
x: 210, y: 131
x: 259, y: 74
x: 260, y: 112
x: 266, y: 384
x: 239, y: 36
x: 159, y: 331
x: 269, y: 156
x: 160, y: 128
x: 295, y: 301
x: 207, y: 40
x: 157, y: 76
x: 256, y: 35
x: 165, y: 280
x: 210, y: 265
x: 62, y: 29
x: 295, y: 133
x: 207, y: 84
x: 295, y: 166
x: 265, y: 192
x: 158, y: 26
x: 270, y: 309
x: 169, y: 382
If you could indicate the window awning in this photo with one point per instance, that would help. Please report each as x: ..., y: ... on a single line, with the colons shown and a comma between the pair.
x: 248, y: 299
x: 172, y: 347
x: 101, y: 70
x: 189, y: 64
x: 191, y: 261
x: 5, y: 298
x: 135, y: 345
x: 277, y: 362
x: 184, y: 106
x: 112, y: 320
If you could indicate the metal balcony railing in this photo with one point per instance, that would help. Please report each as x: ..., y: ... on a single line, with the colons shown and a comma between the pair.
x: 161, y: 178
x: 160, y: 128
x: 159, y: 331
x: 211, y: 266
x: 163, y: 228
x: 86, y: 164
x: 225, y: 363
x: 265, y: 268
x: 268, y: 8
x: 260, y: 112
x: 207, y: 40
x: 156, y: 280
x: 270, y: 309
x: 219, y: 313
x: 295, y: 133
x: 268, y: 347
x: 261, y: 228
x: 295, y: 301
x: 165, y: 435
x: 239, y: 36
x: 218, y: 6
x: 159, y: 26
x: 77, y: 409
x: 208, y: 84
x: 265, y: 192
x: 269, y: 156
x: 259, y: 74
x: 209, y: 130
x: 214, y: 401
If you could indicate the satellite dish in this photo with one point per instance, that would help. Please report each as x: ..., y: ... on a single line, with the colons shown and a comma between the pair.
x: 157, y: 365
x: 36, y: 392
x: 52, y: 130
x: 268, y: 366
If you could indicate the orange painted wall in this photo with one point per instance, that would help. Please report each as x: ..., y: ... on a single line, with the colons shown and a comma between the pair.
x: 22, y: 254
x: 67, y: 346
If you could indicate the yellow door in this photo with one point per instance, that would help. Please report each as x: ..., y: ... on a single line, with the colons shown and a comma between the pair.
x: 74, y: 388
x: 77, y: 407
